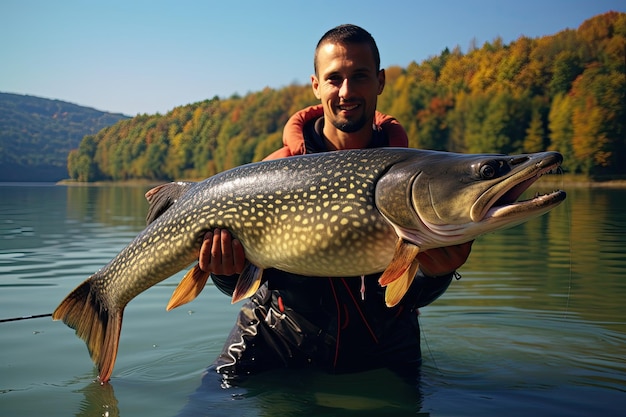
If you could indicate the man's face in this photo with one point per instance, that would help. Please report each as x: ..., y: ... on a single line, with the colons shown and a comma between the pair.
x: 347, y: 84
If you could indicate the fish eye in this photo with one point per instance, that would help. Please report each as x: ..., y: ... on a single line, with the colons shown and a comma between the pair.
x: 488, y: 171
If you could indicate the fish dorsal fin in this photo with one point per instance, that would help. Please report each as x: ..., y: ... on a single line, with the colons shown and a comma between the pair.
x: 249, y: 281
x: 163, y: 196
x: 190, y: 286
x: 403, y: 258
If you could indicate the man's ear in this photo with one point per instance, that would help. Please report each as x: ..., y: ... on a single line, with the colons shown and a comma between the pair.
x: 315, y: 85
x: 381, y: 81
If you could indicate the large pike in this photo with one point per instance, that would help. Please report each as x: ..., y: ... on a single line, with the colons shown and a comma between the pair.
x: 337, y: 214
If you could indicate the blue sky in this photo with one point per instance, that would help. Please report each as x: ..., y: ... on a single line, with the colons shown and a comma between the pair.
x: 150, y: 56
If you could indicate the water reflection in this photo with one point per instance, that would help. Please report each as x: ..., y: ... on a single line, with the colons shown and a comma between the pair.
x: 111, y: 205
x: 99, y: 400
x: 571, y: 260
x: 280, y: 392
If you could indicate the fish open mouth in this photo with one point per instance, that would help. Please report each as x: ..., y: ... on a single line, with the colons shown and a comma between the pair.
x: 501, y: 200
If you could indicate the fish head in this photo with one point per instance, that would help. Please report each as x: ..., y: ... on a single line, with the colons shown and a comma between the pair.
x: 435, y: 199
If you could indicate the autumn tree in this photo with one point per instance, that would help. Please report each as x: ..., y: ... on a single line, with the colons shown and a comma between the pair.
x: 565, y: 92
x: 560, y: 129
x: 598, y: 119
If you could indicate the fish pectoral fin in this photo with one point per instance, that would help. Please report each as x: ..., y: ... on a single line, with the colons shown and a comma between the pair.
x: 396, y: 289
x: 190, y: 286
x: 403, y: 258
x: 97, y: 324
x: 400, y: 272
x: 249, y: 281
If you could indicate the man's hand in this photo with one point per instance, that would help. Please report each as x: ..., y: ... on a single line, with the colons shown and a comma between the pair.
x: 443, y: 261
x: 221, y: 254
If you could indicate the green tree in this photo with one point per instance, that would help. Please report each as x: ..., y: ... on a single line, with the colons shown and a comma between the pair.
x: 534, y: 140
x: 473, y: 115
x: 155, y: 160
x: 81, y: 164
x: 72, y: 164
x: 566, y: 67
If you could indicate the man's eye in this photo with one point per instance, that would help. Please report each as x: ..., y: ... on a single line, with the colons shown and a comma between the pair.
x: 361, y: 77
x: 335, y: 80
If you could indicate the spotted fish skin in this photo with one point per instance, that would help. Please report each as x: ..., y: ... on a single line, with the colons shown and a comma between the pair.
x: 338, y: 214
x: 306, y: 215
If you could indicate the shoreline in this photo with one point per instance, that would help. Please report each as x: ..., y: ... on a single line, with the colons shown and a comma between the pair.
x: 551, y: 180
x: 579, y: 182
x: 129, y: 183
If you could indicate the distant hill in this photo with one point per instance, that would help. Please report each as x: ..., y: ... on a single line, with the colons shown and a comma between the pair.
x: 36, y: 135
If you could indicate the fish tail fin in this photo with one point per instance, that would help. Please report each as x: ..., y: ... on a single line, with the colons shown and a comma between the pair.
x: 402, y: 260
x: 249, y: 281
x: 95, y: 323
x: 190, y: 286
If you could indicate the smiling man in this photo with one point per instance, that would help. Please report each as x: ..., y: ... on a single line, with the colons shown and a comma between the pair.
x: 347, y: 81
x: 339, y: 324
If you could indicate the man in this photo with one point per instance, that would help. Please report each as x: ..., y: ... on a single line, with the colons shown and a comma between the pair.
x: 338, y: 324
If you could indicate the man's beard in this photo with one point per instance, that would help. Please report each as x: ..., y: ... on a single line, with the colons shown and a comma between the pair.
x: 349, y: 126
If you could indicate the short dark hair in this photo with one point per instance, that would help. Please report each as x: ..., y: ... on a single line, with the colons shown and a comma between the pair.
x: 348, y: 34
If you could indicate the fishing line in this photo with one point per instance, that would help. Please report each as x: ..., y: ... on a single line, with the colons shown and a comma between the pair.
x: 568, y: 214
x: 36, y: 316
x: 430, y: 352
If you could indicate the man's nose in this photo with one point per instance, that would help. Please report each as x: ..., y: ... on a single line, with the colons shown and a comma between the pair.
x: 345, y: 89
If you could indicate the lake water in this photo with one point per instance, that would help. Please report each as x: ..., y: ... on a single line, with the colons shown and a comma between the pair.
x: 536, y: 326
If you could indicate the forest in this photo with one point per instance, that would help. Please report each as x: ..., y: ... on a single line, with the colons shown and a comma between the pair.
x: 564, y: 92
